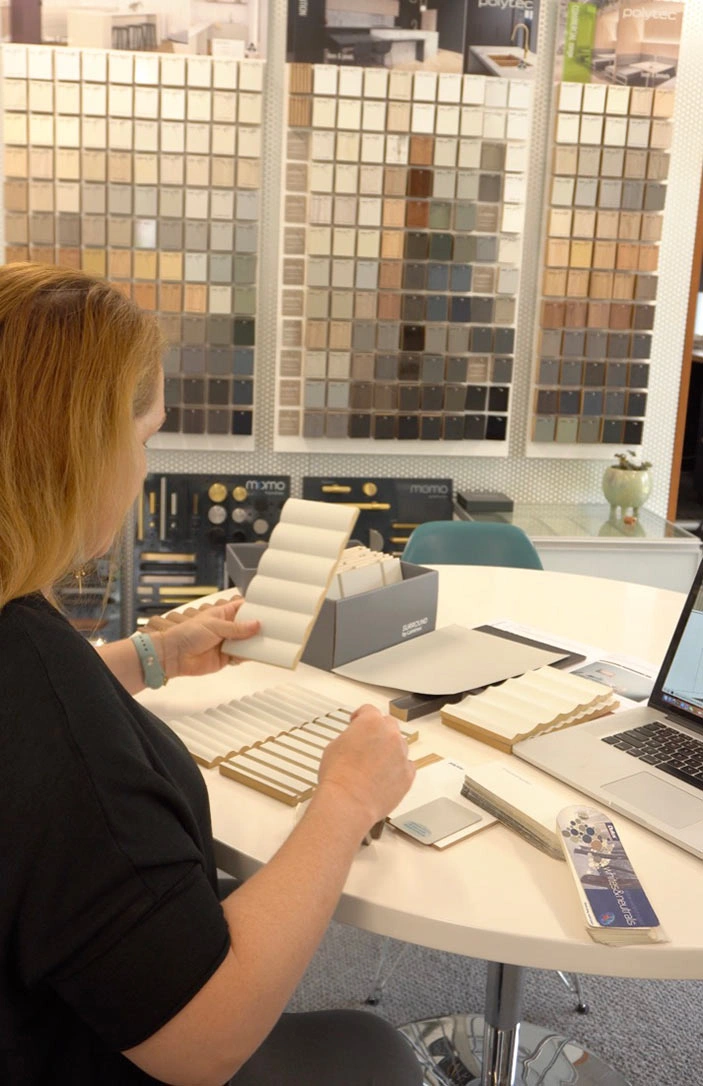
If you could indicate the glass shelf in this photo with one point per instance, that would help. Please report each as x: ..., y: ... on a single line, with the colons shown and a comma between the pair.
x: 582, y: 522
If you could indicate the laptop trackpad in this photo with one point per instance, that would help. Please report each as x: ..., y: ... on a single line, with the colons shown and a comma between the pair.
x: 671, y: 805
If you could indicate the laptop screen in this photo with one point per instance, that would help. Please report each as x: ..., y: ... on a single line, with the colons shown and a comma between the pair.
x: 679, y: 685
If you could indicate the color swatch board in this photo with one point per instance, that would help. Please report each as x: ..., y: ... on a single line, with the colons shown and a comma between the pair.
x: 403, y: 209
x: 604, y: 223
x: 145, y: 168
x: 183, y: 524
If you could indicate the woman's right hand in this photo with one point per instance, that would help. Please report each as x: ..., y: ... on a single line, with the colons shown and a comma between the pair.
x: 368, y: 764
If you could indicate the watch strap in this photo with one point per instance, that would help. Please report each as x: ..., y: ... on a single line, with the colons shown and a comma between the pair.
x: 152, y: 670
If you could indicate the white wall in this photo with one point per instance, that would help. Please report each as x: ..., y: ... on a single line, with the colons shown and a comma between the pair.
x: 251, y: 14
x: 179, y: 15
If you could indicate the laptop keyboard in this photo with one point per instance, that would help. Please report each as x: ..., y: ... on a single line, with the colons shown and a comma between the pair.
x: 661, y: 746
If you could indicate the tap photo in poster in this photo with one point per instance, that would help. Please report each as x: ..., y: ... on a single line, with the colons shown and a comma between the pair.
x: 486, y: 37
x: 633, y: 43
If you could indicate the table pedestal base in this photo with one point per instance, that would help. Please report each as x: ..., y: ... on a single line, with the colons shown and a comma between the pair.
x: 451, y: 1050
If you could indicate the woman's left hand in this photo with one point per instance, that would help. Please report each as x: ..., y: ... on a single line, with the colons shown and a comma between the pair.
x: 192, y: 643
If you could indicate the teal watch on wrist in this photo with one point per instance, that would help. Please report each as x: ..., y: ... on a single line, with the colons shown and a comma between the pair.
x: 154, y: 675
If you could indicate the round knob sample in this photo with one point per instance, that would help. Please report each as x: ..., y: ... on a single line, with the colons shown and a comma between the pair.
x: 370, y: 490
x: 217, y: 514
x: 260, y: 526
x: 241, y: 516
x: 240, y: 493
x: 217, y: 492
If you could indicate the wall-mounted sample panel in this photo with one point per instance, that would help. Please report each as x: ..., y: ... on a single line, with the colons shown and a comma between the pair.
x: 389, y: 509
x: 607, y: 191
x: 183, y: 525
x: 403, y: 209
x: 145, y: 169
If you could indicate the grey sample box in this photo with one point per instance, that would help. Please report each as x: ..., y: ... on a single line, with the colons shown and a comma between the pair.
x: 360, y: 625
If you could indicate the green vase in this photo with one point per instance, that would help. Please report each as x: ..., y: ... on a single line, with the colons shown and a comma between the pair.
x: 626, y: 489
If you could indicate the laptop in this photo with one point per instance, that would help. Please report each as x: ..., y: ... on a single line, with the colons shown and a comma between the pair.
x: 645, y: 762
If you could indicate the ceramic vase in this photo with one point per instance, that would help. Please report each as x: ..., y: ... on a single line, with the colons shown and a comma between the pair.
x: 627, y: 490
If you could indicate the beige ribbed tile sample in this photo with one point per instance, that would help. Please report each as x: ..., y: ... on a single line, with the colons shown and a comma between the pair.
x: 292, y: 579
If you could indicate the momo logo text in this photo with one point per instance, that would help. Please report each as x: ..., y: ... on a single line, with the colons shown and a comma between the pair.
x: 429, y: 488
x: 274, y: 486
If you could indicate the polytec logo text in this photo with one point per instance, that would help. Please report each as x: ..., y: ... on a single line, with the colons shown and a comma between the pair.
x: 517, y: 5
x: 643, y: 13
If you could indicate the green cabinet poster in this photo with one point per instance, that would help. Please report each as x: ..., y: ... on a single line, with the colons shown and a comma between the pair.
x: 632, y: 43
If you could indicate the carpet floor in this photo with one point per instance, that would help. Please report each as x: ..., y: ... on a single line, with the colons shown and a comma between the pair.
x: 650, y: 1031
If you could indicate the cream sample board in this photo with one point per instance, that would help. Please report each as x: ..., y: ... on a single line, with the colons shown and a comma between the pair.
x: 292, y: 580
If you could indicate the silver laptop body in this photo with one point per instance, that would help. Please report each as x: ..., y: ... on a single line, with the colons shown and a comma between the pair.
x: 617, y: 759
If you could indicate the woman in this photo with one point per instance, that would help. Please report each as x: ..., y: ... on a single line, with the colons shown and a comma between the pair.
x: 118, y: 964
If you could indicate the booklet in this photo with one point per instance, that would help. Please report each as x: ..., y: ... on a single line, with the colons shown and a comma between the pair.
x: 616, y: 907
x: 522, y: 798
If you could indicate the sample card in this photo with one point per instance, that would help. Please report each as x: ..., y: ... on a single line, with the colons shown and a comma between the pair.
x: 438, y: 818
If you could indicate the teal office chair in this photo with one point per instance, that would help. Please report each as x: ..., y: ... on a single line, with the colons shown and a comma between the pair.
x: 470, y: 543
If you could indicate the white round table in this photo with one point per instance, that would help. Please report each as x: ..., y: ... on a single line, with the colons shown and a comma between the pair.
x: 492, y: 896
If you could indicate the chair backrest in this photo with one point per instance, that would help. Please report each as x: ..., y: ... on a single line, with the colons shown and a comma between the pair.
x: 471, y: 543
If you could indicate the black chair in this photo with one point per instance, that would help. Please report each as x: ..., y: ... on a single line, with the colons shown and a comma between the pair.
x: 149, y: 36
x: 136, y: 36
x: 120, y: 37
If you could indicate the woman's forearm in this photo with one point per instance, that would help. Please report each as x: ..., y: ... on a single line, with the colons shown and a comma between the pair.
x: 276, y: 921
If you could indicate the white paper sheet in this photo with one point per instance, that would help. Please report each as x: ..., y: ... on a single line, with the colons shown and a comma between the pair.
x: 447, y: 661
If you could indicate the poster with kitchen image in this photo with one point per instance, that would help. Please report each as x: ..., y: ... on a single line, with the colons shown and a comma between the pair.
x: 632, y: 43
x: 487, y: 37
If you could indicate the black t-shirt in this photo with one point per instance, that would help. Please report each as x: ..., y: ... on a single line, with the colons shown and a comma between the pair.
x: 109, y: 918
